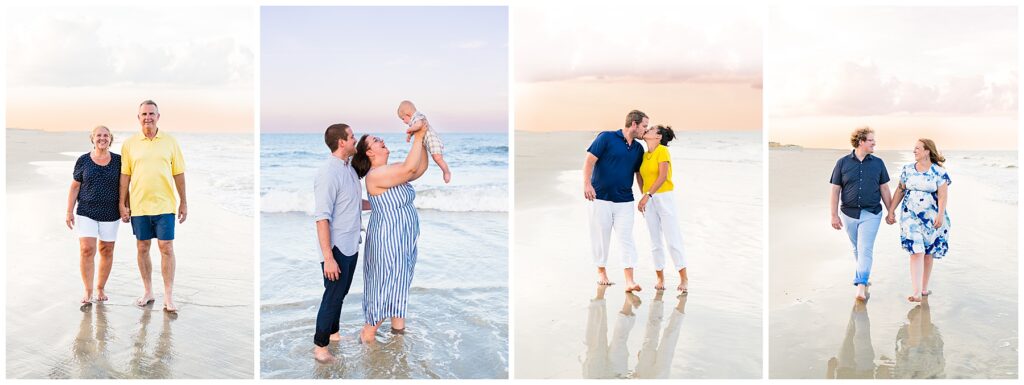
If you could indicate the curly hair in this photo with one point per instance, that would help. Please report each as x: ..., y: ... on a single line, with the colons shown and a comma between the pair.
x: 860, y: 135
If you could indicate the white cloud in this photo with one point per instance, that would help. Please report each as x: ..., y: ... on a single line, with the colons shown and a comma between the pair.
x: 97, y: 47
x: 638, y: 43
x: 922, y: 60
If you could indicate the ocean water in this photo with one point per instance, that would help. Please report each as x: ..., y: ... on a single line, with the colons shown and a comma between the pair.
x: 458, y: 307
x: 217, y: 166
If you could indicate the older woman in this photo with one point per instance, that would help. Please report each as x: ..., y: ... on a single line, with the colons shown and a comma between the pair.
x: 659, y: 205
x: 392, y: 232
x: 924, y: 222
x: 95, y: 188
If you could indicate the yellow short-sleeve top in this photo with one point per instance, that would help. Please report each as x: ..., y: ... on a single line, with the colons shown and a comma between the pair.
x: 649, y: 169
x: 152, y: 165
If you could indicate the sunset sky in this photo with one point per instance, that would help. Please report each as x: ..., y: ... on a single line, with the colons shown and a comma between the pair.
x: 946, y: 73
x: 584, y: 68
x: 354, y: 65
x: 71, y: 68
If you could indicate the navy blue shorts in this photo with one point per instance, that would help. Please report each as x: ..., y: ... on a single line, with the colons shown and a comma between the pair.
x: 146, y: 227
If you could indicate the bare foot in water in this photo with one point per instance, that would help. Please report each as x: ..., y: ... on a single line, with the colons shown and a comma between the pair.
x: 368, y: 335
x: 101, y: 295
x: 914, y: 298
x: 144, y: 300
x: 660, y: 285
x: 632, y: 286
x: 335, y: 337
x: 683, y: 287
x: 602, y: 277
x: 170, y: 307
x: 87, y: 298
x: 862, y: 292
x: 322, y: 355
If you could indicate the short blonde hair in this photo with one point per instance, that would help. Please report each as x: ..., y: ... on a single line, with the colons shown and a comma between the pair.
x: 92, y: 134
x: 860, y: 135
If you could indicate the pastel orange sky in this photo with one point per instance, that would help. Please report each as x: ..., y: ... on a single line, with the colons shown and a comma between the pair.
x: 899, y: 132
x: 595, y: 106
x: 99, y: 63
x: 76, y: 109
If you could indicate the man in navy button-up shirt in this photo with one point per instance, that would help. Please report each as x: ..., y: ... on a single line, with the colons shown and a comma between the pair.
x: 861, y: 180
x: 612, y: 161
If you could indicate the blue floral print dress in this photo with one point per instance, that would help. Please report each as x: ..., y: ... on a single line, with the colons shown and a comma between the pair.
x: 919, y: 209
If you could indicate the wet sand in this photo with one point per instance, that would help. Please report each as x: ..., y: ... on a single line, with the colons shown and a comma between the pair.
x: 563, y: 328
x: 50, y: 336
x: 457, y: 319
x: 968, y: 328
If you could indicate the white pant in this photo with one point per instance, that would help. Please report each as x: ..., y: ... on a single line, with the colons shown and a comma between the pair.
x: 663, y: 224
x: 604, y: 217
x: 89, y: 228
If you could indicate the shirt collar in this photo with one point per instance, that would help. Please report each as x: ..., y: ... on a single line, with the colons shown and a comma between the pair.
x: 853, y: 155
x: 159, y: 135
x: 623, y: 137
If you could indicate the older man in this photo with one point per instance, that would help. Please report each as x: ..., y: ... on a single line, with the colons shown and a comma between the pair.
x: 152, y: 168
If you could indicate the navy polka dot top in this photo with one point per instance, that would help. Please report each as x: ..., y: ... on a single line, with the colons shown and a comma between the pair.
x: 98, y: 195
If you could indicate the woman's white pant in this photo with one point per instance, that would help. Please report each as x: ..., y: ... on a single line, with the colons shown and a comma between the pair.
x: 663, y: 224
x: 606, y: 216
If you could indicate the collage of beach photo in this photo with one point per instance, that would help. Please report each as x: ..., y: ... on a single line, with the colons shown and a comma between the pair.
x: 511, y: 190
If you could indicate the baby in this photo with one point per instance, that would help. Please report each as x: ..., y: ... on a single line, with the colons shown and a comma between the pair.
x: 410, y: 116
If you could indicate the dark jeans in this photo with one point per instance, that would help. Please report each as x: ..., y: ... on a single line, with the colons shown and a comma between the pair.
x: 334, y: 294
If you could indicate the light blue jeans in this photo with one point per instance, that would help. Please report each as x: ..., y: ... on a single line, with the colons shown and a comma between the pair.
x: 862, y: 233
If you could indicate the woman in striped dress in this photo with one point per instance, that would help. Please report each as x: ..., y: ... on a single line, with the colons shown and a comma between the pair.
x: 392, y: 233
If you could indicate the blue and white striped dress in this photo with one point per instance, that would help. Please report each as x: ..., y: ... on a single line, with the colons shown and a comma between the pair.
x: 391, y: 238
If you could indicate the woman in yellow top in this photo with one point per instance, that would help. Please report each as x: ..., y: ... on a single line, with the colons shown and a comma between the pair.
x: 658, y: 204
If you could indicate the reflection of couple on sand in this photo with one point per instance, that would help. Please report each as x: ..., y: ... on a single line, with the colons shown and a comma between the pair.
x: 137, y: 186
x: 90, y: 356
x: 612, y: 160
x: 604, y: 360
x: 918, y: 348
x: 392, y: 233
x: 860, y: 180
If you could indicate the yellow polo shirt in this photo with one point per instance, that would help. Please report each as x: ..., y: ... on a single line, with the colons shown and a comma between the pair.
x: 152, y: 165
x: 649, y: 169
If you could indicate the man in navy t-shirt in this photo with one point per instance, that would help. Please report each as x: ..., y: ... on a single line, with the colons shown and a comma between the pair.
x: 612, y: 160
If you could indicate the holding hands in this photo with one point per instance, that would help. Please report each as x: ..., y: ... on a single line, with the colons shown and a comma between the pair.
x: 891, y: 218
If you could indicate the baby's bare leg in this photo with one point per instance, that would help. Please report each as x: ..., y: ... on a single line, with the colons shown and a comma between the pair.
x: 439, y: 159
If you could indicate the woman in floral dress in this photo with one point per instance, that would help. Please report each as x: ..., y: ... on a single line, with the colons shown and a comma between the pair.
x: 924, y: 222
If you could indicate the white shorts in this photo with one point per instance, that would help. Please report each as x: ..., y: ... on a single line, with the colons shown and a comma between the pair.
x: 90, y: 228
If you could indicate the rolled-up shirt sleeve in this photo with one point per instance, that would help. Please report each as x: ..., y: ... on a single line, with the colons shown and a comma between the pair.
x: 325, y: 191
